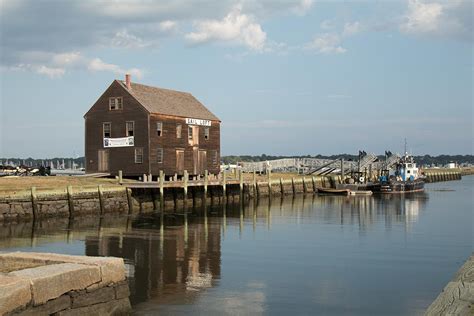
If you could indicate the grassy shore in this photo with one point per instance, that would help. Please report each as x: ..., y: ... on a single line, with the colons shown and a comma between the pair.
x: 14, y: 185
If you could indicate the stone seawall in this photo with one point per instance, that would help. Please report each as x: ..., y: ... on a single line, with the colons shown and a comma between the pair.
x: 457, y: 298
x: 439, y: 175
x: 70, y: 202
x: 46, y: 283
x: 61, y: 204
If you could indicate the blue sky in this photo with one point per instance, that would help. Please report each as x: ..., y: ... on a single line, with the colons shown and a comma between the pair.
x: 285, y: 77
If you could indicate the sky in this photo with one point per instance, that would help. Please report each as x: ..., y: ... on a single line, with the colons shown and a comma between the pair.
x: 285, y: 77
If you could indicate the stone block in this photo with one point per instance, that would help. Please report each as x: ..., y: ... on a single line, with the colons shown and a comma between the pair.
x: 19, y: 261
x: 112, y: 269
x: 122, y: 290
x: 61, y: 303
x: 115, y: 307
x: 101, y: 295
x: 51, y: 281
x: 15, y: 293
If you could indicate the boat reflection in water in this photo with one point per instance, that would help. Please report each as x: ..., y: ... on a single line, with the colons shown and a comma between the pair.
x: 175, y: 258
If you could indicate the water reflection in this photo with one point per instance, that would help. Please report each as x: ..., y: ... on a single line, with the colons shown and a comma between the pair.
x: 173, y: 258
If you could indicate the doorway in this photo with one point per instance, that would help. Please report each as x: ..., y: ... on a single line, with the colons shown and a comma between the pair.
x: 103, y: 160
x: 180, y: 161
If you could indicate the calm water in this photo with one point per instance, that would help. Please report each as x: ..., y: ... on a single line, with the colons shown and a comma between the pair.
x: 385, y: 255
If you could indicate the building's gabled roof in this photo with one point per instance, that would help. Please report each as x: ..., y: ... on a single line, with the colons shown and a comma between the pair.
x: 169, y: 102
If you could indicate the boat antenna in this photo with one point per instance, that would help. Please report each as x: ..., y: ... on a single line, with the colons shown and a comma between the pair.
x: 406, y: 147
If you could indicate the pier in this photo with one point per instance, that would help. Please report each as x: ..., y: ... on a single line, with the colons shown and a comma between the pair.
x: 131, y: 197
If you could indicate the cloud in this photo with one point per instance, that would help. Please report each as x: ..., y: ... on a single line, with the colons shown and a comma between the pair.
x: 55, y: 27
x: 447, y: 19
x: 303, y: 7
x: 235, y: 27
x: 56, y: 65
x: 331, y: 42
x: 97, y: 64
x: 50, y: 72
x: 168, y: 26
x: 126, y: 40
x: 326, y: 25
x: 326, y: 43
x: 422, y: 17
x: 351, y: 28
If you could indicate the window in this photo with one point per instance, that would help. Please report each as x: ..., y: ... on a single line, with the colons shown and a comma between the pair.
x: 138, y: 155
x: 115, y: 103
x: 190, y: 132
x: 206, y: 133
x: 179, y: 128
x: 159, y: 155
x: 106, y: 127
x: 214, y: 157
x: 159, y: 128
x: 130, y: 127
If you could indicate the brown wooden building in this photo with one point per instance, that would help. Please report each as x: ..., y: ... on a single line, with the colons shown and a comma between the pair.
x: 141, y: 129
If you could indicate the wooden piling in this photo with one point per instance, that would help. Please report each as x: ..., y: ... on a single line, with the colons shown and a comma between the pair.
x: 120, y: 177
x: 224, y: 184
x: 70, y: 201
x: 241, y: 181
x: 129, y: 200
x: 254, y: 183
x: 153, y: 199
x: 293, y: 185
x: 314, y: 183
x: 282, y: 189
x: 206, y: 183
x: 342, y: 169
x: 185, y: 184
x: 304, y: 186
x: 101, y: 198
x: 162, y: 183
x: 269, y: 175
x: 34, y: 204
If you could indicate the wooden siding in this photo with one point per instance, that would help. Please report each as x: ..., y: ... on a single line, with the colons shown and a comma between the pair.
x: 145, y: 136
x: 169, y: 142
x: 120, y: 158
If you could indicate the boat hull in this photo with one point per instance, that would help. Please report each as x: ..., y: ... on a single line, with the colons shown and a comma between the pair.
x: 397, y: 186
x: 334, y: 191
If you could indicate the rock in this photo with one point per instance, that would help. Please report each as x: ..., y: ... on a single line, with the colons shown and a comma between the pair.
x: 99, y: 296
x: 112, y: 269
x: 51, y: 281
x: 122, y: 290
x: 14, y: 293
x: 16, y: 261
x: 115, y: 307
x: 61, y: 303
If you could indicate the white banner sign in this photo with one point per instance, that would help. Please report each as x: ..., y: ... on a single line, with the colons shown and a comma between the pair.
x: 192, y: 121
x: 119, y: 142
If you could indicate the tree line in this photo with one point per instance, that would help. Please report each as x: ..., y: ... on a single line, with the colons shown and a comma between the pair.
x: 234, y: 159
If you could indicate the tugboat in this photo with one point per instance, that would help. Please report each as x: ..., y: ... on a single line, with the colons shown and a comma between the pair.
x: 405, y: 179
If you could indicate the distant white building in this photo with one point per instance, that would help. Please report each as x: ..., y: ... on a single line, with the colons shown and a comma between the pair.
x: 451, y: 165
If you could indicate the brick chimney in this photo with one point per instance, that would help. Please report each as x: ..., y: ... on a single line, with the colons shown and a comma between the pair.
x: 128, y: 81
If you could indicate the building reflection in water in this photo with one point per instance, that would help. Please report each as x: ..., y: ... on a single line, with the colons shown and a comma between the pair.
x: 174, y: 258
x: 183, y: 259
